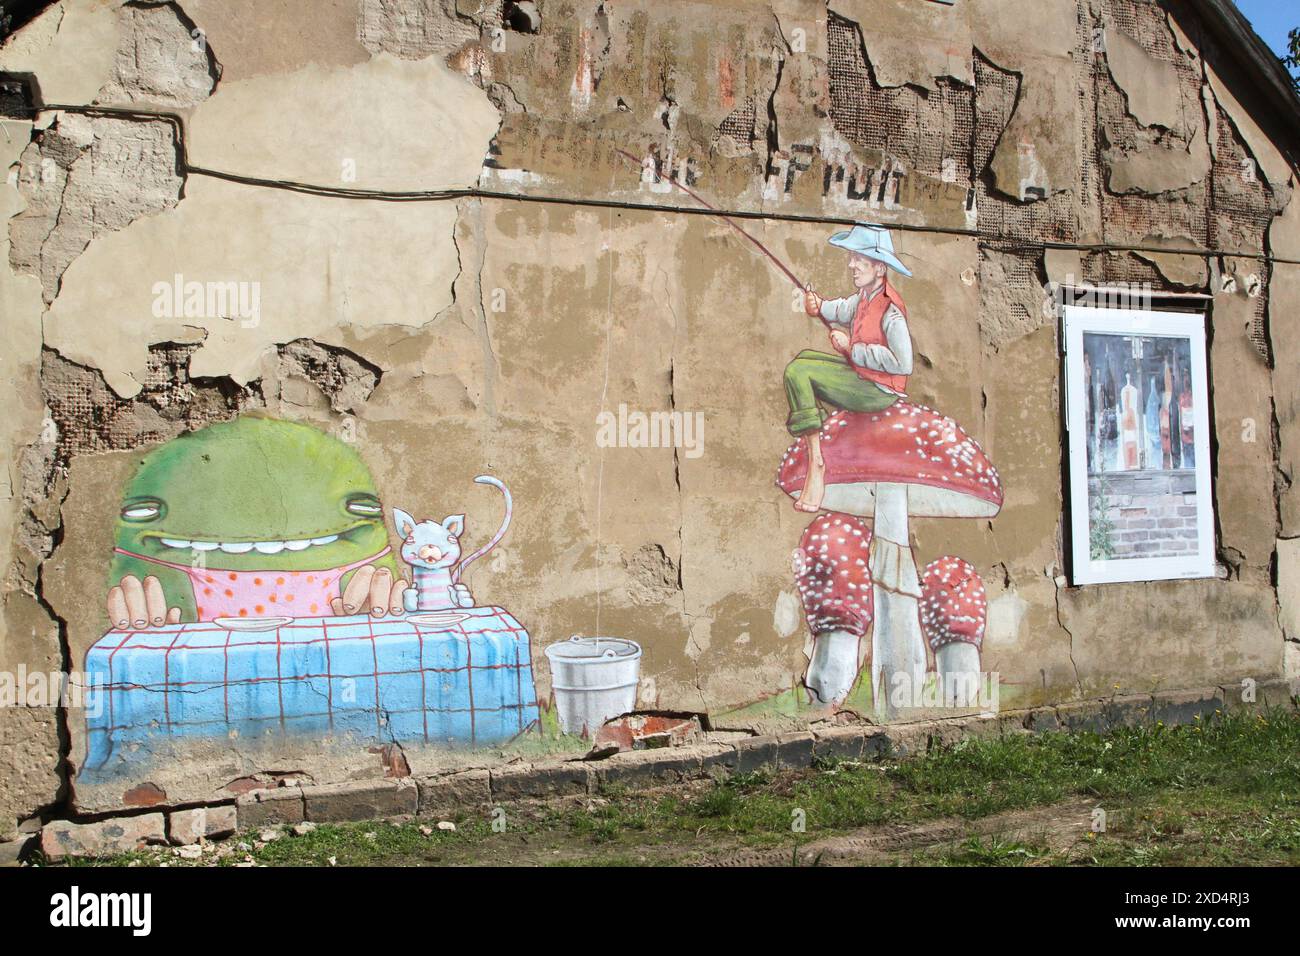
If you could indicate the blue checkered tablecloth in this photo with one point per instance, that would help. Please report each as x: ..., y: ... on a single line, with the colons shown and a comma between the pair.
x: 388, y: 679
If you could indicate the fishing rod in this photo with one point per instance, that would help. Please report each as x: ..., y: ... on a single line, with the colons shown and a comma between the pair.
x: 786, y: 270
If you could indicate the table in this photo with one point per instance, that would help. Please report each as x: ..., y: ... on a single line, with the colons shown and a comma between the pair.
x: 406, y: 679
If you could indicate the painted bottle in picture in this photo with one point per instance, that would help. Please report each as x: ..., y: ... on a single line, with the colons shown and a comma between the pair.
x: 1188, y: 431
x: 1153, y: 426
x: 1165, y: 441
x: 1129, y: 440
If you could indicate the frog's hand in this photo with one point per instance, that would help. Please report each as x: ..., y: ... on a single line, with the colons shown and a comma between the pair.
x: 364, y: 577
x: 177, y: 591
x: 460, y: 593
x: 411, y: 599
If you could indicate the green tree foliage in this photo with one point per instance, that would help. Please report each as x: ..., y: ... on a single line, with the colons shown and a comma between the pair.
x: 1292, y: 58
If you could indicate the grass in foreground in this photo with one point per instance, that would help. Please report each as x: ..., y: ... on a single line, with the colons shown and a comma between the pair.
x: 1222, y: 791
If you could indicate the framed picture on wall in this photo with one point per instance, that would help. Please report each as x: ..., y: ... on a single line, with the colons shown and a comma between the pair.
x: 1137, y: 416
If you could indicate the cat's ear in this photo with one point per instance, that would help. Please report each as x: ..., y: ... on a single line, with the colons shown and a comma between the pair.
x: 455, y: 524
x: 403, y: 522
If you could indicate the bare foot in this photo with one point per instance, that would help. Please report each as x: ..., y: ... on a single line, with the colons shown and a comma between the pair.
x: 814, y: 488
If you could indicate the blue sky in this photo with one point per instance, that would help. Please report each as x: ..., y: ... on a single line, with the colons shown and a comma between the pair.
x: 1272, y: 20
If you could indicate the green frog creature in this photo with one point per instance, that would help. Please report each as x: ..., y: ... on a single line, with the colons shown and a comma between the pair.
x: 254, y: 517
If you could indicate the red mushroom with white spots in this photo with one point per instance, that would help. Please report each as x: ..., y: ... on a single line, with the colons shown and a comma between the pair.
x: 834, y: 581
x: 954, y: 611
x: 905, y: 462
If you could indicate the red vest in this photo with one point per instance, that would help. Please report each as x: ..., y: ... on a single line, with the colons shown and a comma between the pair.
x: 868, y: 329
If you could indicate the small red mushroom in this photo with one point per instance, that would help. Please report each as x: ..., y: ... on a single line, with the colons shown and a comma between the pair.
x: 833, y: 575
x: 954, y: 612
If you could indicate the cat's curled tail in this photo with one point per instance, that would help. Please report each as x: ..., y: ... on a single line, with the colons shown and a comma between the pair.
x: 501, y: 531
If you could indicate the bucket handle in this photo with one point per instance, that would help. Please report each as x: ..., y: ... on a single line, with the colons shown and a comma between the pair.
x: 608, y: 653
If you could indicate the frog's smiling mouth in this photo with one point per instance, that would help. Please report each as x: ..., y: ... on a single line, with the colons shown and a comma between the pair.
x: 263, y: 546
x: 243, y: 547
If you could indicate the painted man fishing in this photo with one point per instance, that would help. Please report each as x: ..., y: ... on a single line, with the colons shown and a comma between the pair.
x: 868, y: 330
x: 873, y: 351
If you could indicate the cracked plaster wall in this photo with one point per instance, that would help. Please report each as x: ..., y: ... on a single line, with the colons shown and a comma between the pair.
x: 474, y: 335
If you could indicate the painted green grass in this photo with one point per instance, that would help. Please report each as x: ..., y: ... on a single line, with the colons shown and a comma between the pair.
x: 1217, y: 792
x: 793, y: 702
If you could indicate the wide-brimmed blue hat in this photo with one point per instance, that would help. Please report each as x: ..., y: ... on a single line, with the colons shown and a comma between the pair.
x: 872, y: 241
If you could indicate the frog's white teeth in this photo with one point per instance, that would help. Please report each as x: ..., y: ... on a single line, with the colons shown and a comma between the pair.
x: 243, y: 547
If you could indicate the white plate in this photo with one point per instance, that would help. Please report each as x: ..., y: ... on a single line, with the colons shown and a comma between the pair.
x: 251, y: 623
x: 437, y: 618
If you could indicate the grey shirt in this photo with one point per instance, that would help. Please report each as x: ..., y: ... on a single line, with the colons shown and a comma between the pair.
x: 895, y: 357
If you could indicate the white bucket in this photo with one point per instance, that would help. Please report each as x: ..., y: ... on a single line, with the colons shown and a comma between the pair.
x: 594, y: 679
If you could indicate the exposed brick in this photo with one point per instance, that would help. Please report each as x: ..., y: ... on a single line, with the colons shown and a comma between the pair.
x: 361, y: 800
x: 61, y: 839
x: 513, y: 783
x: 259, y: 808
x: 469, y: 788
x: 201, y: 823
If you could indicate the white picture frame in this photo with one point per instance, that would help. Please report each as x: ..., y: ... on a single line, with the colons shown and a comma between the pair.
x: 1136, y: 390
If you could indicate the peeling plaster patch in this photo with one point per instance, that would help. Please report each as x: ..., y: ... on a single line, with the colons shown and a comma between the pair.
x: 89, y: 418
x: 1284, y: 231
x: 1011, y: 297
x: 1152, y: 111
x: 1284, y: 334
x: 1190, y: 272
x: 1036, y: 42
x: 30, y: 752
x: 1018, y: 32
x: 1064, y: 266
x: 1150, y: 85
x: 913, y: 43
x: 1272, y: 162
x: 251, y: 39
x: 1037, y: 155
x: 71, y: 47
x: 82, y: 178
x: 383, y: 124
x: 1157, y: 169
x: 320, y: 266
x: 886, y: 151
x: 159, y: 60
x: 414, y: 30
x: 346, y: 379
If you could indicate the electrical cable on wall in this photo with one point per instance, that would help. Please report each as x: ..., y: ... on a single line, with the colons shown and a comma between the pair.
x: 469, y: 192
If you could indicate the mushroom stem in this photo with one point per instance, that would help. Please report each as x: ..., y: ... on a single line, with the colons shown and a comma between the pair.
x: 897, y: 648
x: 834, y: 666
x: 958, y: 665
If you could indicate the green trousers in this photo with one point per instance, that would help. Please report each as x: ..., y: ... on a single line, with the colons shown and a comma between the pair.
x: 815, y: 378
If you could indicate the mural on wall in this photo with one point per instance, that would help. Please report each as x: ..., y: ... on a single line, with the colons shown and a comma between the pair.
x: 863, y: 452
x: 253, y: 592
